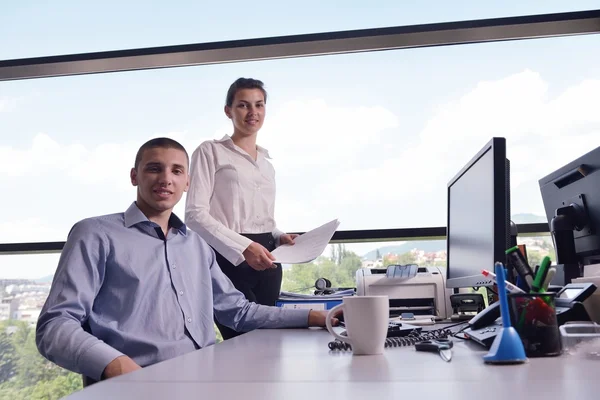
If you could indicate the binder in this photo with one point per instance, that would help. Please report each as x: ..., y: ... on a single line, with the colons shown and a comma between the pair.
x: 315, y: 304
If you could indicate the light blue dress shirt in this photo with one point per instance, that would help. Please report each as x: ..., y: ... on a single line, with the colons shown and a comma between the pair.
x: 122, y: 288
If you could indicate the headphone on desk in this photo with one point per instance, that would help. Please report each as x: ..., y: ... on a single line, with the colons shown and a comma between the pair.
x: 323, y: 286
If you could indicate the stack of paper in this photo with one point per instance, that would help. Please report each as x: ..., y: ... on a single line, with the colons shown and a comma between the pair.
x: 300, y: 296
x: 308, y: 246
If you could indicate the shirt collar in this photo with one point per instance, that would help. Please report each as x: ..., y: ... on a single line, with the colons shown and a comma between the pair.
x: 226, y: 140
x: 134, y: 216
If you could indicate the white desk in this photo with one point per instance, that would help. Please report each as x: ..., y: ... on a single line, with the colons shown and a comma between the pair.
x: 297, y: 364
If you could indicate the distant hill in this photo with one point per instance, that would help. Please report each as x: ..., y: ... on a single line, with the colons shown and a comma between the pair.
x: 45, y: 279
x: 425, y: 245
x: 529, y: 219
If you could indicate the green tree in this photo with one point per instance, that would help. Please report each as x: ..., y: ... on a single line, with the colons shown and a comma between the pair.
x: 340, y: 269
x: 32, y: 376
x: 8, y: 357
x: 56, y: 388
x: 348, y: 267
x: 534, y: 257
x: 403, y: 259
x: 407, y: 258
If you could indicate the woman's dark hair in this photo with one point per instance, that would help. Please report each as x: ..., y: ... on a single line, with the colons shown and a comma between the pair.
x: 244, y: 83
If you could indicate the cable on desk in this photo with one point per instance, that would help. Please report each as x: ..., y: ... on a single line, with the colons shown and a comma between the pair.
x: 402, y: 341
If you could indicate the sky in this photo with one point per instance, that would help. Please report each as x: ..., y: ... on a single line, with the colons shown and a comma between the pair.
x: 371, y: 138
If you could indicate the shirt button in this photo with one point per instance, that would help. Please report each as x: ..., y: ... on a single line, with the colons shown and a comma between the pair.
x: 174, y: 266
x: 189, y: 320
x: 181, y: 292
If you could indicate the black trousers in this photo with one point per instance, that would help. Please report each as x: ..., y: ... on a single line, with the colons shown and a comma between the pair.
x: 261, y: 287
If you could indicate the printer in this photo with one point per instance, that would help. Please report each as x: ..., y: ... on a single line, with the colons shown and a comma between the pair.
x: 410, y: 288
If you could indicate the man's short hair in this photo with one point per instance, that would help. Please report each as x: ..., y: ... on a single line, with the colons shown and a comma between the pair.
x: 162, y: 142
x: 244, y: 83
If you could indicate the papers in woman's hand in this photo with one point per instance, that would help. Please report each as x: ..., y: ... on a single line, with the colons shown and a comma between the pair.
x: 308, y: 246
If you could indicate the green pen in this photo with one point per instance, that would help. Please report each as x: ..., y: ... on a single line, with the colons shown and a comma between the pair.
x: 517, y: 261
x: 538, y: 284
x: 540, y: 276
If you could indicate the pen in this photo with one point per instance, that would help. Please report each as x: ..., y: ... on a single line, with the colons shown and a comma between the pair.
x: 517, y: 261
x: 549, y: 277
x: 540, y: 277
x: 509, y: 286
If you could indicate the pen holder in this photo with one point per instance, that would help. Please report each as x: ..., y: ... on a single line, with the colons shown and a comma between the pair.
x: 534, y: 317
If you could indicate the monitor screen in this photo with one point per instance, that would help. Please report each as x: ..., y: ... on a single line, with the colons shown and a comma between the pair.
x: 478, y: 217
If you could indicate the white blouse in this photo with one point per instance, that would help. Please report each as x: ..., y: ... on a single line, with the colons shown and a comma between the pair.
x: 229, y: 194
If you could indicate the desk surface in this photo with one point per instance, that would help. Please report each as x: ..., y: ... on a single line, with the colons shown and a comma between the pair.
x: 297, y: 364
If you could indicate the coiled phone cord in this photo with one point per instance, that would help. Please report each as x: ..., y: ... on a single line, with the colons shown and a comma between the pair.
x: 399, y: 341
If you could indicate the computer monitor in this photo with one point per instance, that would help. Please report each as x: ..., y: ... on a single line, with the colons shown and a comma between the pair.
x: 478, y: 229
x: 571, y: 197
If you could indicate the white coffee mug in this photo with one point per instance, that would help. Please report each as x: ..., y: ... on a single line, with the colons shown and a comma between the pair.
x: 366, y: 319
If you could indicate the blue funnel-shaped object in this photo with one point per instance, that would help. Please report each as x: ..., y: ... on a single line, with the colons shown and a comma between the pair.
x: 507, y: 347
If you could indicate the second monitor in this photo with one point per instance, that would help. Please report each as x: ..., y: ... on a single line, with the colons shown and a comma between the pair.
x: 478, y: 225
x: 571, y: 198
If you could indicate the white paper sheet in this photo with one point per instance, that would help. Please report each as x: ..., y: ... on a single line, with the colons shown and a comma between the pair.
x: 308, y: 246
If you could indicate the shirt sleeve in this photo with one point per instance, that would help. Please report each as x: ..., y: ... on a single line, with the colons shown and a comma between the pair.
x: 60, y: 336
x: 228, y: 243
x: 232, y: 309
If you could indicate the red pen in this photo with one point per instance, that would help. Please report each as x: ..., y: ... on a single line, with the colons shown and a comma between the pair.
x: 509, y: 286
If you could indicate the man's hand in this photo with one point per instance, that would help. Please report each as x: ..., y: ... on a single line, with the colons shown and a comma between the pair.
x: 258, y: 257
x: 287, y: 238
x: 119, y: 366
x: 318, y: 318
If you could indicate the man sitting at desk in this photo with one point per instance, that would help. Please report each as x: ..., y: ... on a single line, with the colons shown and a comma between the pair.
x: 135, y: 288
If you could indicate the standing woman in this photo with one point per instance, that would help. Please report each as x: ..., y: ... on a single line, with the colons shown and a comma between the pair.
x: 231, y: 199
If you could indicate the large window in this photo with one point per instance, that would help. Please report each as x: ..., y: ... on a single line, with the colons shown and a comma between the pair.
x: 370, y: 138
x: 71, y: 26
x: 340, y: 261
x: 24, y: 374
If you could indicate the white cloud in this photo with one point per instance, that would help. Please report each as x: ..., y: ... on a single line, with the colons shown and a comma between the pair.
x: 28, y: 266
x: 8, y: 104
x: 30, y: 229
x: 108, y: 163
x: 325, y: 164
x: 316, y: 134
x: 409, y: 190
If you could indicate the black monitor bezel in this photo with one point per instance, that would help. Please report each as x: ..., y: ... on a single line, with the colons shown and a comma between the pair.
x: 497, y: 146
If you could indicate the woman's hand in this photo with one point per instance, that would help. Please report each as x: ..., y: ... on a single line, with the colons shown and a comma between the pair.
x: 258, y: 257
x: 287, y: 238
